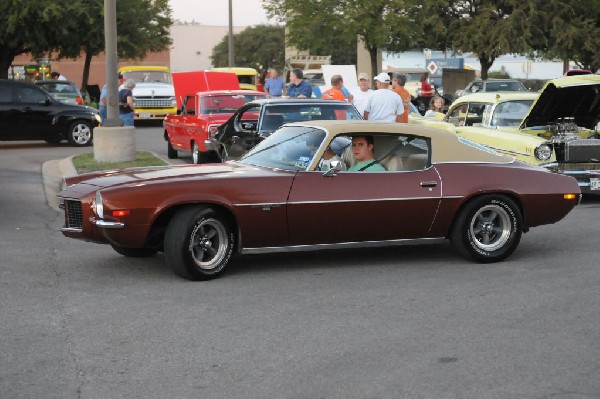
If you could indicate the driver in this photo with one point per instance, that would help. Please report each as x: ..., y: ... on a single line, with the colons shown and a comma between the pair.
x: 362, y: 150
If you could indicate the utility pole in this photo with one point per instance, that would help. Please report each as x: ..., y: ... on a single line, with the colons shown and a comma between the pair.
x: 231, y: 55
x: 110, y: 38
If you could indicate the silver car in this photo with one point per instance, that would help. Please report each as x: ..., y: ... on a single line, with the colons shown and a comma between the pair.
x: 64, y: 91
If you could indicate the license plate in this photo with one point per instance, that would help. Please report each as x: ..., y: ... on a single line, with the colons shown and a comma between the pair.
x: 595, y: 183
x: 144, y: 115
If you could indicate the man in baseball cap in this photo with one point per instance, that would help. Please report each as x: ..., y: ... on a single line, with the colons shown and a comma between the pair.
x: 384, y: 105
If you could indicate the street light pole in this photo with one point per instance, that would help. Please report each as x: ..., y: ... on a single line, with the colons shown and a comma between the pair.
x: 231, y: 55
x: 110, y: 49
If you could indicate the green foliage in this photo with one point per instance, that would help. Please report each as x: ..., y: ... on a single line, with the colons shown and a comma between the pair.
x: 76, y: 26
x: 325, y: 26
x: 498, y: 75
x: 571, y: 31
x: 84, y: 163
x: 261, y: 45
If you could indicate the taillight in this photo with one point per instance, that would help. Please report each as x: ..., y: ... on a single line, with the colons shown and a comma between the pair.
x: 78, y: 100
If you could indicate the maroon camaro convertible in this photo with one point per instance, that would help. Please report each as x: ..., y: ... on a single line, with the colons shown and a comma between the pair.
x: 283, y: 196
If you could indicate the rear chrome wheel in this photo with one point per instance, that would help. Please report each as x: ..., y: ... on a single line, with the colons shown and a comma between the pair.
x: 488, y: 229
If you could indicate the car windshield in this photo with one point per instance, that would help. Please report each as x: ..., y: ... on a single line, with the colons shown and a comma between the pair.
x: 291, y: 148
x: 226, y: 103
x: 510, y: 113
x: 504, y: 86
x: 312, y: 112
x: 148, y: 76
x: 59, y: 87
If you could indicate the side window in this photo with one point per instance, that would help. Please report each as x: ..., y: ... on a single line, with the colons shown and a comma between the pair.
x: 476, y: 87
x: 5, y: 93
x: 30, y: 95
x: 391, y: 153
x: 475, y: 114
x: 457, y: 116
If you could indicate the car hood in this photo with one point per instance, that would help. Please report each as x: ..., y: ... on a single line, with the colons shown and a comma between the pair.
x: 568, y: 99
x: 147, y: 175
x: 153, y: 89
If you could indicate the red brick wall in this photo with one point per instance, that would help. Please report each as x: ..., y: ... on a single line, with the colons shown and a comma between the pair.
x: 72, y: 69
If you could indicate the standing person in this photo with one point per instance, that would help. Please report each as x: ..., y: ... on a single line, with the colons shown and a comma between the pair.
x: 57, y: 76
x: 426, y: 91
x: 103, y: 101
x: 103, y: 104
x: 363, y: 94
x: 384, y: 104
x: 335, y: 93
x: 398, y: 86
x: 126, y: 107
x: 275, y: 86
x: 299, y: 88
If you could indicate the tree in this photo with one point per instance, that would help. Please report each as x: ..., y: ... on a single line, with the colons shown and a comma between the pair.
x: 570, y: 32
x: 381, y: 24
x: 261, y: 45
x: 142, y: 26
x: 490, y: 28
x: 34, y: 26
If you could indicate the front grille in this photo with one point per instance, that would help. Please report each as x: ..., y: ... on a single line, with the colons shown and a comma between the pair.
x: 73, y: 214
x: 155, y: 102
x: 580, y: 166
x: 582, y: 150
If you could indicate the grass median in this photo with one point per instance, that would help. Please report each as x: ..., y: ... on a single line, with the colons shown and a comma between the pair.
x: 86, y: 163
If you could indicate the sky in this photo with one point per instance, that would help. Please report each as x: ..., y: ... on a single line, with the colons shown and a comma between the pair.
x: 216, y: 12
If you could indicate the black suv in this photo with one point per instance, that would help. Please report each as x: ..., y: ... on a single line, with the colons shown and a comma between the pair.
x: 28, y: 112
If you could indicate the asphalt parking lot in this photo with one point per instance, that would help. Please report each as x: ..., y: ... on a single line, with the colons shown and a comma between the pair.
x: 79, y: 321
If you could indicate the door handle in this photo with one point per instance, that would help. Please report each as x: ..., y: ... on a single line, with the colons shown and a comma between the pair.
x: 428, y: 184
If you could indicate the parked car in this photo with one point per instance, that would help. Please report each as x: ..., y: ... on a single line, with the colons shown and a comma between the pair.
x: 64, y: 91
x: 197, y: 120
x: 28, y: 112
x: 275, y: 199
x: 565, y: 116
x: 499, y: 130
x: 258, y: 119
x: 491, y: 85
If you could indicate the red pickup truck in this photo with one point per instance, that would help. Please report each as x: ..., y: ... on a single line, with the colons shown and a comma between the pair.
x: 205, y: 100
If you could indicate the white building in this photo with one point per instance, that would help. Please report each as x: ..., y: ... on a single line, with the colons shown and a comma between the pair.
x: 517, y: 66
x: 193, y: 44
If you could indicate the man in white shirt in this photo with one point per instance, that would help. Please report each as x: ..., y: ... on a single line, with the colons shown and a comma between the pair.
x: 362, y: 95
x: 384, y: 104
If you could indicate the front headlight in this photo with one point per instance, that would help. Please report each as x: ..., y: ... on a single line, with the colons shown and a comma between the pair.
x: 97, y: 117
x: 98, y: 207
x: 543, y: 152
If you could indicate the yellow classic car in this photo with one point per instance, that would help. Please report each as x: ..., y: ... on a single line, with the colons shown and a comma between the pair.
x: 564, y: 116
x: 492, y: 119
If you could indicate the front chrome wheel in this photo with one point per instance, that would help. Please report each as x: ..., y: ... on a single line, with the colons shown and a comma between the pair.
x: 199, y: 242
x: 208, y: 243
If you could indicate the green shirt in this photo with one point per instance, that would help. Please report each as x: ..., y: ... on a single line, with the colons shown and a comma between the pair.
x: 373, y: 168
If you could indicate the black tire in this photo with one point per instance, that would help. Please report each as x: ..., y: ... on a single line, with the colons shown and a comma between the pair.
x: 135, y: 252
x: 198, y: 156
x: 80, y: 133
x: 171, y: 152
x: 198, y: 243
x: 488, y: 229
